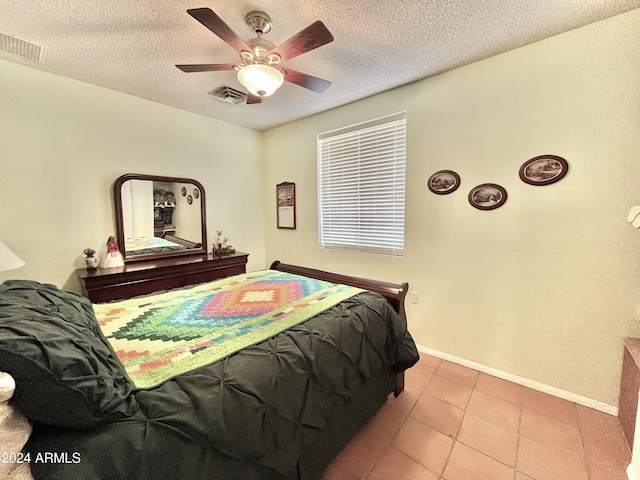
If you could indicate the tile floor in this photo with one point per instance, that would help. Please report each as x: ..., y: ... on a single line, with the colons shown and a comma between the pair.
x: 454, y: 423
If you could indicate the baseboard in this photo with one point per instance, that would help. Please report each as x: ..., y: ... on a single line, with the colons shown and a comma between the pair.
x: 557, y: 392
x: 631, y: 473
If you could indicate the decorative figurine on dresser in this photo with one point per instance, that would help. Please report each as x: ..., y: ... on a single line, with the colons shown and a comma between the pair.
x: 221, y: 245
x: 90, y: 259
x: 150, y: 272
x: 113, y: 258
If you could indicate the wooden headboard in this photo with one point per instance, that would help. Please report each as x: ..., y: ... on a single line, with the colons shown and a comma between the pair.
x: 395, y: 293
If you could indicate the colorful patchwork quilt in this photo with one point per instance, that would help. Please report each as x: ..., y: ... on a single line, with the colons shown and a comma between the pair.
x: 144, y: 245
x: 161, y: 336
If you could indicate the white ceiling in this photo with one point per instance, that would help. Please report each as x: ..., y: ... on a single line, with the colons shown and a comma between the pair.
x: 132, y: 46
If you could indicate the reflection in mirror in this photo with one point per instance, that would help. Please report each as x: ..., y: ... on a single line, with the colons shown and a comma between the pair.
x: 154, y: 218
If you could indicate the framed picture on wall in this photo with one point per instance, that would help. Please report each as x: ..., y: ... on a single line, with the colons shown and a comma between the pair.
x: 286, y: 205
x: 487, y: 196
x: 444, y: 182
x: 543, y: 170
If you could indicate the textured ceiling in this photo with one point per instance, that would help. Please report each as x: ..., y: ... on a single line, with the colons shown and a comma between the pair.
x: 132, y: 46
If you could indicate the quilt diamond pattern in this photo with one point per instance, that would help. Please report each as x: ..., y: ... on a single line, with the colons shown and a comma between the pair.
x: 160, y: 336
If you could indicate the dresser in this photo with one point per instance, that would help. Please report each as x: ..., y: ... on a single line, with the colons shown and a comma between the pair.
x: 140, y: 278
x: 629, y: 387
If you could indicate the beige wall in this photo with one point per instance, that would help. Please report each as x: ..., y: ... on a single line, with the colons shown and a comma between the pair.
x: 62, y: 145
x: 545, y: 287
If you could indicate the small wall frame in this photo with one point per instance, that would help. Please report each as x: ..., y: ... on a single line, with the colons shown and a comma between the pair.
x: 543, y: 170
x: 443, y: 182
x: 487, y: 196
x: 286, y: 205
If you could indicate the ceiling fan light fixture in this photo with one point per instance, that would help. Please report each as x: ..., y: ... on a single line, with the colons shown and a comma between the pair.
x: 261, y: 80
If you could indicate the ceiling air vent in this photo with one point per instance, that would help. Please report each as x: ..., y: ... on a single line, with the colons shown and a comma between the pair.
x: 22, y: 48
x: 228, y: 95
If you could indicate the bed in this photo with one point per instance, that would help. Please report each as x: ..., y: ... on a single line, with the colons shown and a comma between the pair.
x: 279, y: 409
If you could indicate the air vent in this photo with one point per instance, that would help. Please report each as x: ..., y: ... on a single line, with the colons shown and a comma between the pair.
x: 22, y: 48
x: 228, y: 95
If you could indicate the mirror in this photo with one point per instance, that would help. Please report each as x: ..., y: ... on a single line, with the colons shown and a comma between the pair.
x: 159, y: 217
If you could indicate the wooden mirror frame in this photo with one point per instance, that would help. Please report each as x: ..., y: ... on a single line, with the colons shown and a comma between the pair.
x: 117, y: 200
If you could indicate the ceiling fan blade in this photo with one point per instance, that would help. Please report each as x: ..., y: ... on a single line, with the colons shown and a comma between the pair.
x: 304, y: 80
x: 314, y: 36
x: 253, y: 99
x: 207, y: 67
x: 213, y: 22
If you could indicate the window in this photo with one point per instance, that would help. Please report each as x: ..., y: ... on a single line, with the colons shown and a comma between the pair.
x: 361, y: 190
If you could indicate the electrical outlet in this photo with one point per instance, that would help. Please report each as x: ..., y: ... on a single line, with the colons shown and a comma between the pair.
x: 414, y: 297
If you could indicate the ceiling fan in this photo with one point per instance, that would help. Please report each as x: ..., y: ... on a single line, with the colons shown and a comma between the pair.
x: 261, y: 71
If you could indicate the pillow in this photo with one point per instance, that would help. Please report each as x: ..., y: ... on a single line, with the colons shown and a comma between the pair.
x: 66, y: 373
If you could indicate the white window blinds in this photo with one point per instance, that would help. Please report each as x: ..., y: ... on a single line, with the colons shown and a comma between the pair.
x: 361, y: 172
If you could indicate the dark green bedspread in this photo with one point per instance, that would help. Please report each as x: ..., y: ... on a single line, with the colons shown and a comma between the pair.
x: 254, y: 415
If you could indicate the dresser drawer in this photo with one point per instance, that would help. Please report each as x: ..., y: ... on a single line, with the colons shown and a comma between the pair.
x: 141, y: 278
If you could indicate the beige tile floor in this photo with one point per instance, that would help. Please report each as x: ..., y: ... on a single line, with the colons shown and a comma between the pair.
x: 455, y: 423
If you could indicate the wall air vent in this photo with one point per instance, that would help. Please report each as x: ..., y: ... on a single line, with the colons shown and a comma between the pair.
x: 22, y: 48
x: 227, y: 94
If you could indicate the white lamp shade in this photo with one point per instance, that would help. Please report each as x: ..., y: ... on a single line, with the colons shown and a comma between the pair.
x: 260, y: 80
x: 8, y: 259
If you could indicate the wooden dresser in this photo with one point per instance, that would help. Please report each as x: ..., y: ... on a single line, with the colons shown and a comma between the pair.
x: 629, y: 387
x: 140, y: 278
